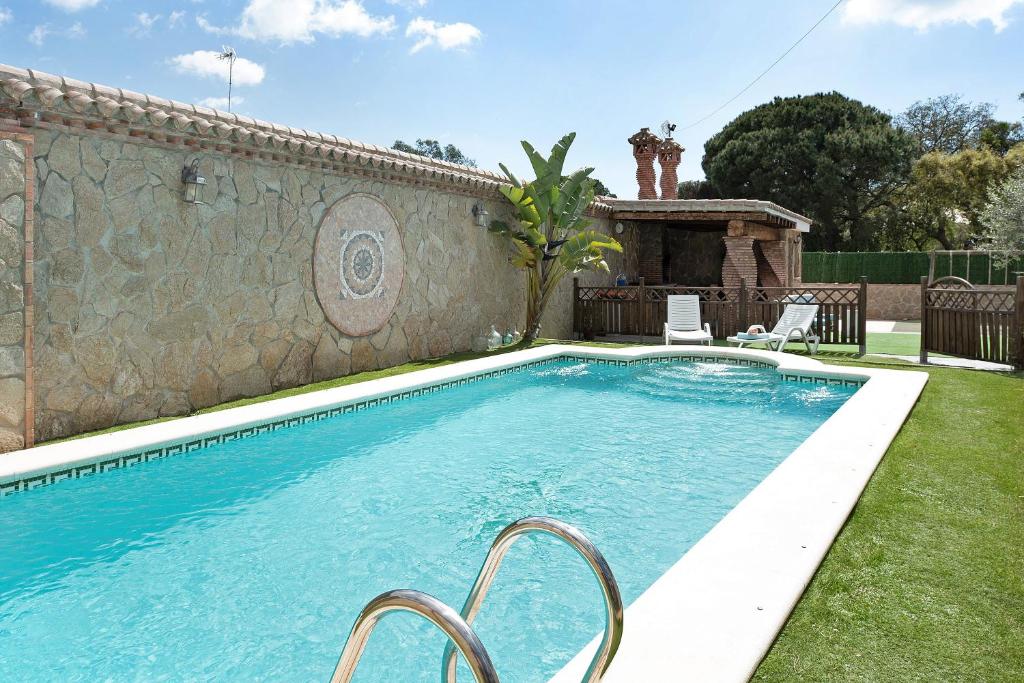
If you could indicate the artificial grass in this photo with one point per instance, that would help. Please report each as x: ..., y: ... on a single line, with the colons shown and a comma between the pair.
x: 889, y: 343
x: 926, y: 580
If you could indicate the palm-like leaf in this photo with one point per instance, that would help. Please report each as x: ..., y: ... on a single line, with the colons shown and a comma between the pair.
x: 585, y: 251
x: 551, y: 237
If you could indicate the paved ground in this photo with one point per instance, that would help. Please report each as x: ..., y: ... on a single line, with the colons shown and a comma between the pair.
x: 954, y: 362
x: 896, y: 326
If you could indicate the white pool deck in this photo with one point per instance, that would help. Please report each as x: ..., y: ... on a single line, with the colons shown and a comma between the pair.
x: 714, y: 614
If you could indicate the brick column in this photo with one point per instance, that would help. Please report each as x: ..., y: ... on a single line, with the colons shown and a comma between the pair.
x: 740, y: 262
x: 774, y: 269
x: 645, y: 147
x: 670, y: 153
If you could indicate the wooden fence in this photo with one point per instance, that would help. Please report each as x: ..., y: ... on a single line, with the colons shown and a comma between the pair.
x: 982, y: 323
x: 639, y: 310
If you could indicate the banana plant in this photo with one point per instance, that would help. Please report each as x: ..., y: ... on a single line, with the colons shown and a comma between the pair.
x: 551, y: 237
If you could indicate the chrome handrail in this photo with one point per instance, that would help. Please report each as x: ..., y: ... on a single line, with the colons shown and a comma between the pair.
x: 428, y: 607
x: 587, y: 550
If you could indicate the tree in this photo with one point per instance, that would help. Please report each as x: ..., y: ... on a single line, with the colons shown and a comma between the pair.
x: 947, y: 193
x: 1001, y: 136
x: 696, y: 189
x: 433, y: 149
x: 827, y: 156
x: 1003, y: 216
x: 551, y: 239
x: 601, y: 190
x: 946, y: 123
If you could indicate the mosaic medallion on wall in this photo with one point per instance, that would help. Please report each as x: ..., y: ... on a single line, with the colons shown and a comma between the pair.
x: 358, y: 264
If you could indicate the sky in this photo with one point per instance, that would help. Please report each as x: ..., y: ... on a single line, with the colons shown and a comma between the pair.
x: 485, y: 75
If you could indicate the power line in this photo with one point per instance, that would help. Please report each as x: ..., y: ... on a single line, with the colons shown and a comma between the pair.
x: 770, y: 67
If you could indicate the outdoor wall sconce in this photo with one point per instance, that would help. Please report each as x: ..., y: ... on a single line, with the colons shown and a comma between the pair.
x: 192, y: 181
x: 480, y: 215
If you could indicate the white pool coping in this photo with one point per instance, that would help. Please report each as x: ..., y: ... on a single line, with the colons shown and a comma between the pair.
x: 714, y: 614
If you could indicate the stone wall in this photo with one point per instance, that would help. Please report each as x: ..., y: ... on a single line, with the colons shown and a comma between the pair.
x: 15, y: 231
x: 149, y: 306
x: 890, y: 302
x: 894, y: 302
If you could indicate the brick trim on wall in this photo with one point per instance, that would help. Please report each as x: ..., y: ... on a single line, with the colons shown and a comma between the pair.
x: 19, y: 134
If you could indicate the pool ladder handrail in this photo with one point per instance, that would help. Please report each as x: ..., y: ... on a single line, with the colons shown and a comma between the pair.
x: 459, y: 633
x: 594, y: 559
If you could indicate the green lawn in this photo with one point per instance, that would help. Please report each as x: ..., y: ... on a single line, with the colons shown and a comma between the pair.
x: 926, y: 580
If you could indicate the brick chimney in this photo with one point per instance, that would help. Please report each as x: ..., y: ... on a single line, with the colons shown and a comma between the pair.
x: 645, y: 147
x: 670, y: 153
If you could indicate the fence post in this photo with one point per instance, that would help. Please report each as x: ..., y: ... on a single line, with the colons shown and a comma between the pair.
x: 576, y: 330
x: 742, y: 313
x: 924, y: 319
x: 642, y: 302
x: 862, y: 315
x: 1018, y: 332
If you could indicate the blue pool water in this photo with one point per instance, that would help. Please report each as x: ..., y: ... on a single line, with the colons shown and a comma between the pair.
x: 249, y: 560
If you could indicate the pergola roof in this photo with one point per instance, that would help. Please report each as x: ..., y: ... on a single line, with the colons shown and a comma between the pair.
x: 706, y: 210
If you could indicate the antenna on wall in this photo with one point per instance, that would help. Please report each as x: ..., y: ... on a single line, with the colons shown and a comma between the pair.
x: 228, y: 54
x: 667, y: 129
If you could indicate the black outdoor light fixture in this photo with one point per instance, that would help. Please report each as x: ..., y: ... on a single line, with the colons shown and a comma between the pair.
x: 480, y: 215
x: 192, y: 181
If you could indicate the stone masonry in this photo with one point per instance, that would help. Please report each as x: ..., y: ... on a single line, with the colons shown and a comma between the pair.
x: 148, y: 306
x: 14, y: 163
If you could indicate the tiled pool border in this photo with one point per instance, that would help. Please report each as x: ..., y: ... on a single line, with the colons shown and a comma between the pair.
x: 30, y: 481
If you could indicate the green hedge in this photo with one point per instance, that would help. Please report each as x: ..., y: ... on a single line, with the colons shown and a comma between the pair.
x: 900, y: 267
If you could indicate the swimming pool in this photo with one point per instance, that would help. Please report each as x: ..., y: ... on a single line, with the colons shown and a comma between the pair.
x: 249, y: 559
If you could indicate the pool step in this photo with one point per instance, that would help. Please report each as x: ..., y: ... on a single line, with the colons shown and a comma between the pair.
x: 458, y: 627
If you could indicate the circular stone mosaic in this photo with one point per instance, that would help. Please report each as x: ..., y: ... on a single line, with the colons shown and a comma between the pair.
x: 358, y: 264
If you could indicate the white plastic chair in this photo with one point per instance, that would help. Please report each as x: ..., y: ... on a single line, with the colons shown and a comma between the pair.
x: 684, y: 321
x: 795, y: 324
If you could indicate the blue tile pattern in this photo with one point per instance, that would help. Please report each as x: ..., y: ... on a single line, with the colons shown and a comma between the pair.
x: 132, y: 459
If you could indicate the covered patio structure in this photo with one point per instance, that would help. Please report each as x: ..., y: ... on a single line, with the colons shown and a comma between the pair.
x: 708, y: 242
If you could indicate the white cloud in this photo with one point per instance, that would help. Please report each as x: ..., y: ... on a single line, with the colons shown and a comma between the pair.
x: 408, y: 4
x: 925, y: 14
x: 221, y: 102
x: 5, y: 15
x: 205, y: 63
x: 144, y: 22
x: 445, y: 36
x: 175, y: 18
x: 38, y: 35
x: 301, y: 20
x: 73, y: 5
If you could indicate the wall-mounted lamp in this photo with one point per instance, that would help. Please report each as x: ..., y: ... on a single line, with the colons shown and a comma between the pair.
x: 192, y: 181
x: 619, y: 228
x: 480, y: 215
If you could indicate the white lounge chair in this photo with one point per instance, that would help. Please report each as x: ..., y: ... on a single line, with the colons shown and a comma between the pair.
x: 795, y: 324
x: 684, y: 321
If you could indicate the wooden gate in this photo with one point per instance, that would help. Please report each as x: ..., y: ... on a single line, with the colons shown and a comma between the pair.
x: 981, y: 323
